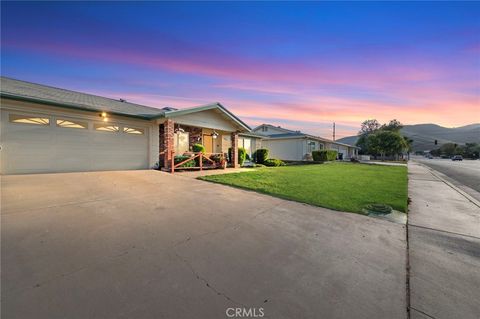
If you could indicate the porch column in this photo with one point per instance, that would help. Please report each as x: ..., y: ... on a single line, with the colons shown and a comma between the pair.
x: 235, y: 150
x: 168, y: 146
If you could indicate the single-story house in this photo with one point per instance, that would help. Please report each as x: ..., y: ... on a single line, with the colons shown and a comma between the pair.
x: 250, y: 142
x: 47, y: 129
x: 291, y: 145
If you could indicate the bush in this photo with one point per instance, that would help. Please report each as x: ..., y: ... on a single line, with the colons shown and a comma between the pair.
x: 198, y: 148
x: 180, y: 158
x: 324, y: 155
x: 242, y: 155
x: 274, y: 162
x: 261, y: 155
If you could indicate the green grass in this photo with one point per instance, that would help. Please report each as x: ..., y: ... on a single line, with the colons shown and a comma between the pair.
x: 339, y: 186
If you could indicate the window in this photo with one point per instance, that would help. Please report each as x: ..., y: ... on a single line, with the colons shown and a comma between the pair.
x: 106, y: 128
x: 131, y: 130
x: 26, y: 119
x: 311, y: 146
x: 72, y: 124
x: 181, y: 142
x: 264, y: 129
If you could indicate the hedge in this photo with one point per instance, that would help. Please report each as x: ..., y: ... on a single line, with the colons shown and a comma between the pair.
x: 273, y: 162
x: 324, y: 155
x: 261, y: 155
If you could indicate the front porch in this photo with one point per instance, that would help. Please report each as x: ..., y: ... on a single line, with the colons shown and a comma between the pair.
x: 199, y: 140
x: 180, y: 150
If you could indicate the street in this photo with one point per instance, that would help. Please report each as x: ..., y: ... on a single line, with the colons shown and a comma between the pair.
x: 461, y: 173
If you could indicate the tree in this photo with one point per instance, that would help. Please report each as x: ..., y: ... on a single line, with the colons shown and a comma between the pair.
x: 472, y: 150
x: 448, y: 149
x: 393, y: 125
x: 386, y: 143
x: 368, y: 127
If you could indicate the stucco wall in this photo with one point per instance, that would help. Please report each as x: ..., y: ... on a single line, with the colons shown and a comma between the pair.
x: 286, y: 149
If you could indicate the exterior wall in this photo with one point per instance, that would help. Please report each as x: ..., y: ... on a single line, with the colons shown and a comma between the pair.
x: 154, y: 142
x: 207, y: 119
x: 34, y: 149
x: 286, y: 149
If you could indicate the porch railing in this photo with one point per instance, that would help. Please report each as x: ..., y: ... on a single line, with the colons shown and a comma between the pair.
x: 198, y: 158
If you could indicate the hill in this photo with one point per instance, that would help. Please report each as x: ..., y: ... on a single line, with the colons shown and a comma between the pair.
x: 424, y: 135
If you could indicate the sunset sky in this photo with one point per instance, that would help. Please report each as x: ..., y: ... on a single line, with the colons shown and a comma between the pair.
x: 298, y: 65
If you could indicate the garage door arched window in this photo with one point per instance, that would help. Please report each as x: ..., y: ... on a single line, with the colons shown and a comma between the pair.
x: 107, y: 128
x: 133, y: 130
x: 71, y: 124
x: 27, y: 119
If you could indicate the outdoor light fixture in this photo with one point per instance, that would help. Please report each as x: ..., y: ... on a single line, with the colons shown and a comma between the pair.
x: 179, y: 129
x: 214, y: 134
x: 104, y: 116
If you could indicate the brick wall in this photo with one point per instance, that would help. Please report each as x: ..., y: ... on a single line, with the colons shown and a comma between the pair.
x: 234, y: 150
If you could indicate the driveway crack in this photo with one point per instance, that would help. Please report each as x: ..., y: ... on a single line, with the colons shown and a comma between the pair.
x: 423, y: 313
x: 205, y: 281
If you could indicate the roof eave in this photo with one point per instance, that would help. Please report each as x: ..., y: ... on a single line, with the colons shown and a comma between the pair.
x: 67, y: 106
x: 173, y: 114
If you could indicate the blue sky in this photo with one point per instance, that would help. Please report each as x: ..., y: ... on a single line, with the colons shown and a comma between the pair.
x: 299, y: 65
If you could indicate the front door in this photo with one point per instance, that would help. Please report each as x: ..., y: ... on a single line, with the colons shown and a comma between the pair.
x: 208, y: 143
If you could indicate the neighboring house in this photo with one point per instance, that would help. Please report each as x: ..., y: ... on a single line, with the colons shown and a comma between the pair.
x: 251, y: 142
x: 46, y: 129
x: 297, y: 146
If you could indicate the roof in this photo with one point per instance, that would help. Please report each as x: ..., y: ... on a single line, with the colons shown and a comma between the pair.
x: 37, y: 93
x: 250, y: 134
x: 212, y: 106
x: 32, y: 92
x: 273, y: 126
x: 298, y: 134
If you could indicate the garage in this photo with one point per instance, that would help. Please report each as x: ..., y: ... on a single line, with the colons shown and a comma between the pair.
x: 35, y: 142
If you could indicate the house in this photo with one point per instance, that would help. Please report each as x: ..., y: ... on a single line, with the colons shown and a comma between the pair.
x: 291, y: 145
x: 47, y: 129
x: 251, y: 142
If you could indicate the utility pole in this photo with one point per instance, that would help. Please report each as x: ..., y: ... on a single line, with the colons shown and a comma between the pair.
x: 334, y: 131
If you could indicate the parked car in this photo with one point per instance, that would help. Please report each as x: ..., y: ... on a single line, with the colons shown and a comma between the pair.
x: 429, y: 156
x: 457, y: 158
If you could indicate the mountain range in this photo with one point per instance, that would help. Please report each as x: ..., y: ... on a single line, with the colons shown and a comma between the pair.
x: 424, y: 135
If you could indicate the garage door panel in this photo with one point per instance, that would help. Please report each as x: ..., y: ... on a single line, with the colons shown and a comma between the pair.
x: 34, y: 149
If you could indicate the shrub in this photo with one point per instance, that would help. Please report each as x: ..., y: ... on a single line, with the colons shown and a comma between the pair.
x: 324, y: 155
x: 180, y: 158
x: 242, y: 155
x: 274, y: 162
x: 261, y: 155
x: 198, y: 148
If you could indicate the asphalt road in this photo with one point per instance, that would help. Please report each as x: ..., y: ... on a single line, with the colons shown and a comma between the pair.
x: 466, y: 172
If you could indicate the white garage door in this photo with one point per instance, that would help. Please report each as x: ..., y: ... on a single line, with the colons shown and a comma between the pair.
x: 38, y: 143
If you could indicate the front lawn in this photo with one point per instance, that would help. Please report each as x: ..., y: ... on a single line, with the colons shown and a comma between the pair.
x: 339, y: 186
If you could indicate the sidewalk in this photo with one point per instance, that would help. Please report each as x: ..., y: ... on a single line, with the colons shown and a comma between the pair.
x: 444, y: 248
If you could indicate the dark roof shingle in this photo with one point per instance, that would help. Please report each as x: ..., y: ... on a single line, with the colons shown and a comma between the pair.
x: 15, y: 89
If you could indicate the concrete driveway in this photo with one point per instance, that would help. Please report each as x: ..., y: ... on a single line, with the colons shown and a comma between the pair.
x: 146, y: 244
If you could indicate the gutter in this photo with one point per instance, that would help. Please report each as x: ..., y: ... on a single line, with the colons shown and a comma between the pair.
x: 69, y: 106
